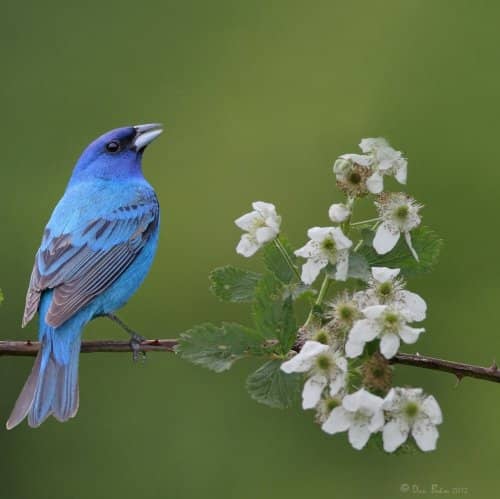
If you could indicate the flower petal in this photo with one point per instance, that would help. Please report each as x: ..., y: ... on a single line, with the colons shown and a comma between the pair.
x: 425, y: 434
x: 389, y: 345
x: 247, y: 246
x: 354, y: 348
x: 307, y: 251
x: 338, y: 420
x: 265, y: 234
x: 304, y: 360
x: 363, y: 330
x: 273, y: 222
x: 368, y: 401
x: 313, y: 388
x: 374, y: 311
x: 395, y: 432
x: 410, y: 334
x: 401, y: 171
x: 372, y: 144
x: 377, y: 421
x: 384, y: 274
x: 265, y: 209
x: 342, y: 265
x: 318, y: 234
x: 385, y: 238
x: 362, y: 399
x: 341, y: 241
x: 375, y: 183
x: 391, y: 400
x: 337, y: 383
x: 410, y: 245
x: 312, y: 268
x: 248, y: 220
x: 432, y: 409
x: 341, y: 363
x: 415, y: 305
x: 359, y: 159
x: 359, y: 433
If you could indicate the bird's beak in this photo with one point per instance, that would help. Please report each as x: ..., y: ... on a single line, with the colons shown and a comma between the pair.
x: 144, y: 134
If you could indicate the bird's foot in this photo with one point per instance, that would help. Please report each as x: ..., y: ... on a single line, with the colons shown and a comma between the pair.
x: 135, y: 345
x: 135, y: 338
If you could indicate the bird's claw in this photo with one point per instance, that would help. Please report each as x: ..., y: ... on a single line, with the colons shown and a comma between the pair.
x: 135, y: 345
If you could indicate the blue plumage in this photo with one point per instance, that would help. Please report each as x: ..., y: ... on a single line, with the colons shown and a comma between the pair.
x: 96, y: 250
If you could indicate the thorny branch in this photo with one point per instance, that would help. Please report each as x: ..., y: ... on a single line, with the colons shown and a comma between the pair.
x: 460, y: 370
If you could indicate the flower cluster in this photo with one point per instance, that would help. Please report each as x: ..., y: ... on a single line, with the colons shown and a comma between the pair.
x: 381, y: 315
x: 358, y: 174
x: 344, y: 350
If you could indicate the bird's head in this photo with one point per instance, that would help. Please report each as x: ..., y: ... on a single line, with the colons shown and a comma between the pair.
x: 116, y: 154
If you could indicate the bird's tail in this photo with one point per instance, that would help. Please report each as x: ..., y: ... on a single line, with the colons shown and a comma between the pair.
x: 52, y: 386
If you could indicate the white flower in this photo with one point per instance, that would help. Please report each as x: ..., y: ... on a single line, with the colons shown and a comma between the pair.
x: 325, y: 367
x: 344, y: 310
x: 399, y: 213
x: 262, y: 225
x: 410, y: 410
x: 384, y: 161
x: 351, y: 172
x: 360, y: 414
x: 339, y: 212
x: 389, y: 323
x: 326, y: 245
x: 386, y: 289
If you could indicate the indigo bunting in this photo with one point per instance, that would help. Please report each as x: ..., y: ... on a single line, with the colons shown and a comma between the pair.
x: 95, y: 252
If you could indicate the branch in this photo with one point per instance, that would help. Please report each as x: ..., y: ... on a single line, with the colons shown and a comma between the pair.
x: 460, y: 370
x: 30, y: 349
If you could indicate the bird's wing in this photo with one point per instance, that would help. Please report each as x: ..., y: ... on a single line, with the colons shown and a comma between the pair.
x: 82, y: 263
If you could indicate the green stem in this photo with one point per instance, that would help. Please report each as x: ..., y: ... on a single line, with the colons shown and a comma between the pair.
x: 319, y: 300
x: 366, y: 222
x: 322, y: 291
x: 286, y: 257
x: 356, y: 248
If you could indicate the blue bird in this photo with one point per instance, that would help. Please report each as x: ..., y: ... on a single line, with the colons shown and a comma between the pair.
x: 96, y: 250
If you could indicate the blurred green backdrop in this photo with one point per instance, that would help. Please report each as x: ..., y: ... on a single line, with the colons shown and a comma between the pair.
x: 258, y: 99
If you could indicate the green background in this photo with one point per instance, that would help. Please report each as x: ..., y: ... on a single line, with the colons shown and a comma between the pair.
x: 258, y: 99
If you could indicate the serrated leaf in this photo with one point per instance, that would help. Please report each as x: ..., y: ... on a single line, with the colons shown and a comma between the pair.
x: 217, y: 348
x: 287, y: 332
x: 273, y: 314
x: 276, y: 263
x: 269, y: 385
x: 426, y: 242
x: 232, y: 284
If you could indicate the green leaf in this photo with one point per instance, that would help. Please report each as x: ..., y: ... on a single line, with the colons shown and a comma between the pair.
x: 358, y: 268
x: 217, y: 348
x: 269, y: 385
x: 426, y: 242
x: 1, y: 296
x: 297, y: 290
x: 276, y: 263
x: 287, y: 332
x: 232, y: 284
x: 273, y: 314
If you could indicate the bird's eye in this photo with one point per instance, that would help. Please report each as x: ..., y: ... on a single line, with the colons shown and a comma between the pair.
x: 113, y: 146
